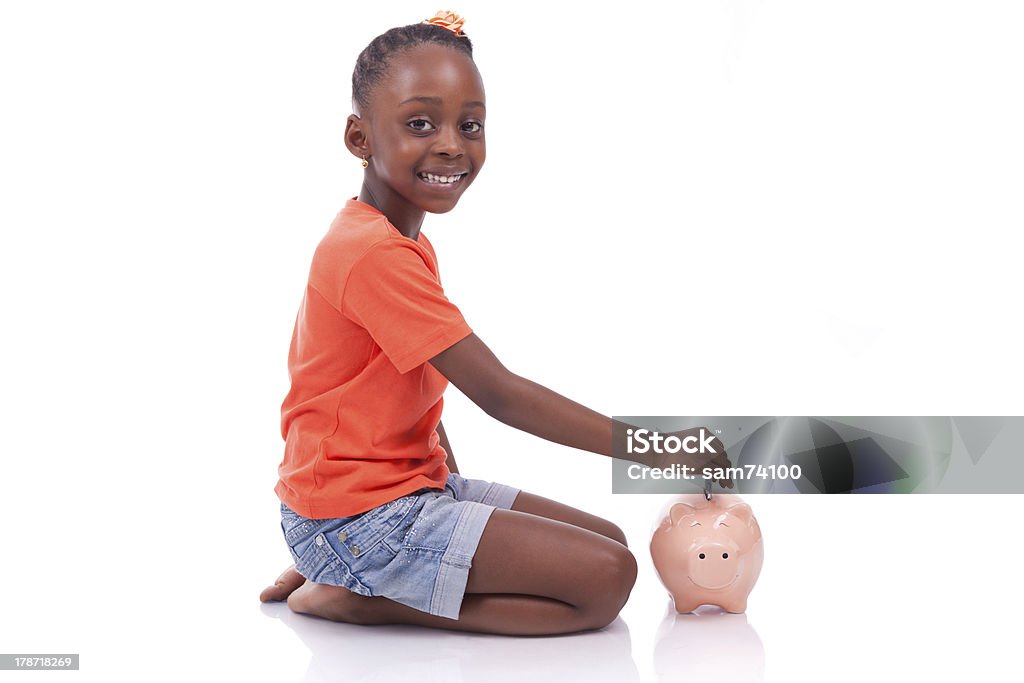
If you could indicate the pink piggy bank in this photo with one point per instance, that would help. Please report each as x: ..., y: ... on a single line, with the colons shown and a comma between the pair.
x: 708, y: 552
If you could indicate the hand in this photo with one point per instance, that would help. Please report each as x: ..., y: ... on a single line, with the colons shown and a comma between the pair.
x: 713, y: 455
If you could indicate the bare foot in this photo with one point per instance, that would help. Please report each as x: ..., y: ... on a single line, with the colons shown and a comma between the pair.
x: 284, y: 586
x: 332, y: 602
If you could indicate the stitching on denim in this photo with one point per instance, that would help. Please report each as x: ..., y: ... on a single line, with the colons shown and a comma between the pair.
x: 344, y: 572
x: 373, y: 527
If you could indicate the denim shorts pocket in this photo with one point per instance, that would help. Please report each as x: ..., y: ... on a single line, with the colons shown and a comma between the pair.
x: 320, y: 563
x: 360, y: 537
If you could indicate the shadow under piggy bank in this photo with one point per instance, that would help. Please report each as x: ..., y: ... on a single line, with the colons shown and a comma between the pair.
x: 706, y: 645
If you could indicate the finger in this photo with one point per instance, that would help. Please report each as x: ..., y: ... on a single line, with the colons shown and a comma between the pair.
x: 719, y: 447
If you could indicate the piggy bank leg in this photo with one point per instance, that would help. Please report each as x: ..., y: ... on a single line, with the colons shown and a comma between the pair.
x: 685, y: 607
x: 735, y: 606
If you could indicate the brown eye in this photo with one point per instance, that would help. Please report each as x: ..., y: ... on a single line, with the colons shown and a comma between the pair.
x: 472, y: 127
x: 421, y: 125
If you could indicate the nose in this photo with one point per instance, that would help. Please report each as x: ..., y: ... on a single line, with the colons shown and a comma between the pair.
x: 711, y: 551
x: 448, y: 142
x: 713, y: 565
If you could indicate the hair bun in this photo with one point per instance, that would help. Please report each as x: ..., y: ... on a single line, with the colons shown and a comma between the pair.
x: 447, y: 19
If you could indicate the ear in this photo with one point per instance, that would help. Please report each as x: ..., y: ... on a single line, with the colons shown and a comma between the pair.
x: 681, y: 511
x: 355, y: 137
x: 741, y: 511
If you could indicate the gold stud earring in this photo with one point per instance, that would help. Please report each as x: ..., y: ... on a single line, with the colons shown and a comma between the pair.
x: 365, y: 162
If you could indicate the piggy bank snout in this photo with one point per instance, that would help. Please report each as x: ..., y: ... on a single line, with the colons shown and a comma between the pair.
x: 713, y: 565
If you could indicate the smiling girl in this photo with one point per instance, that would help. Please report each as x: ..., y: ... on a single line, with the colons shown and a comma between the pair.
x: 382, y: 527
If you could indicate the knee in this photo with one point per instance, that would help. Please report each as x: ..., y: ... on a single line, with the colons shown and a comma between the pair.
x: 615, y: 533
x: 625, y: 571
x: 617, y: 575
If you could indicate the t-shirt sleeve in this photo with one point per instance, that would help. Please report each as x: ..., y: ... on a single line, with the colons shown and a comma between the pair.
x: 392, y: 292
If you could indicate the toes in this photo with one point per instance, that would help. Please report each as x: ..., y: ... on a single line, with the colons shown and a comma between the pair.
x: 273, y: 593
x: 285, y: 585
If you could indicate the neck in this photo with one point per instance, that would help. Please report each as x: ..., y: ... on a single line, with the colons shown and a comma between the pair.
x: 405, y: 218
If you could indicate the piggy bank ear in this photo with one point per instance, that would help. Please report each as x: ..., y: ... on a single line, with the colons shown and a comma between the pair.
x: 681, y: 511
x: 741, y: 511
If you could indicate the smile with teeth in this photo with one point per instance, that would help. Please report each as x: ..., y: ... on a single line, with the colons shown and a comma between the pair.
x: 441, y: 179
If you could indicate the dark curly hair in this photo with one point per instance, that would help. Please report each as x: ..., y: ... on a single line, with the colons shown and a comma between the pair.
x: 373, y: 62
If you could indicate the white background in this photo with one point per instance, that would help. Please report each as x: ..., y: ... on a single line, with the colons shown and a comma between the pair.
x: 705, y: 208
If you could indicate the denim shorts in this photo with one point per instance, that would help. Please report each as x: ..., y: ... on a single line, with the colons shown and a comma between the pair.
x: 415, y: 550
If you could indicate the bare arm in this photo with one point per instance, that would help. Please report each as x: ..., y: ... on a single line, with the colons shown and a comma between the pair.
x: 526, y: 405
x: 520, y: 403
x: 452, y: 466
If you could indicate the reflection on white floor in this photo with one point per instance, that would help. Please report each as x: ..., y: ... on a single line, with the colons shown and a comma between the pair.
x: 693, y: 647
x: 687, y: 647
x: 881, y: 588
x: 854, y: 588
x: 394, y: 654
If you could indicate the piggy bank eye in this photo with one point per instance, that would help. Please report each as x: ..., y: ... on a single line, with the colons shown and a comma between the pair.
x: 701, y: 556
x: 725, y: 556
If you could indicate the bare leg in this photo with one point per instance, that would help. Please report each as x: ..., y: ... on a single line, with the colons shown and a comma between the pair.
x: 552, y: 509
x: 530, y: 576
x: 498, y: 589
x: 290, y: 579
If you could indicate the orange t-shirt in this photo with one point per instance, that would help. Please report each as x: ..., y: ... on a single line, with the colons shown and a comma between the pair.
x: 360, y: 420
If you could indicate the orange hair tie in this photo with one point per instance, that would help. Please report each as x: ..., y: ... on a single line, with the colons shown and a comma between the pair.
x: 447, y: 19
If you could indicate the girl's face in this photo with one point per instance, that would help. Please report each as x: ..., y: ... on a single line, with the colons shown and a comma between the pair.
x: 425, y: 132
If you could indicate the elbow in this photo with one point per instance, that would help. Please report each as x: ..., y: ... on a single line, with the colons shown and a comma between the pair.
x: 497, y: 397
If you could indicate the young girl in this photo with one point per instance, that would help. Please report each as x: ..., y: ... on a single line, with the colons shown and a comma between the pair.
x: 382, y: 528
